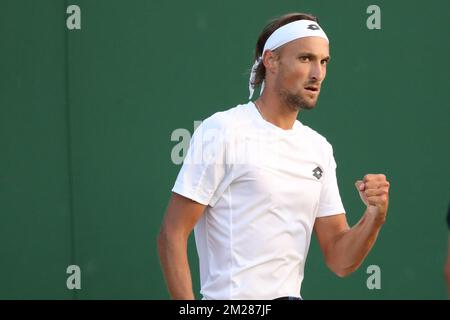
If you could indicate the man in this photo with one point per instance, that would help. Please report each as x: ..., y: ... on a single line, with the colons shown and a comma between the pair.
x: 256, y: 182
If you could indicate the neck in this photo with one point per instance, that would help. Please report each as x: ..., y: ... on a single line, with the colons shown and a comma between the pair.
x: 275, y: 112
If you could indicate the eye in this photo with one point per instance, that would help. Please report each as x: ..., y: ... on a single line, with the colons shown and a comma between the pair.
x: 304, y: 58
x: 324, y: 62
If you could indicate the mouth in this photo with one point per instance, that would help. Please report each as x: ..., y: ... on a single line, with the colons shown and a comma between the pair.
x: 312, y: 89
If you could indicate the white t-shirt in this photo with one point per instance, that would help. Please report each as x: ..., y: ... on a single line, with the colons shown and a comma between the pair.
x: 264, y: 187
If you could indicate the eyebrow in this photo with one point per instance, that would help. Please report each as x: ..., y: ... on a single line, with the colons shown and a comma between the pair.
x: 312, y: 55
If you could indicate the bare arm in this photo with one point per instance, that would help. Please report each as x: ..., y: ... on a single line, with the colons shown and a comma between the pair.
x: 345, y: 248
x: 181, y: 216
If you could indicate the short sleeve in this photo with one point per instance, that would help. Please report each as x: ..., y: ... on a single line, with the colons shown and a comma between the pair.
x: 330, y: 202
x: 204, y: 166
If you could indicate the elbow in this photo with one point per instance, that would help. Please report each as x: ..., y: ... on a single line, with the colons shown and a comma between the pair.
x: 340, y: 264
x: 162, y: 241
x: 170, y: 239
x: 342, y: 271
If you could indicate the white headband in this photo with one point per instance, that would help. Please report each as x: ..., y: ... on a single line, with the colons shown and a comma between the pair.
x: 288, y: 32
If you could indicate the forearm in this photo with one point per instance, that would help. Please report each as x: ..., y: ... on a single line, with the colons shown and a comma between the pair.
x: 352, y: 246
x: 174, y: 261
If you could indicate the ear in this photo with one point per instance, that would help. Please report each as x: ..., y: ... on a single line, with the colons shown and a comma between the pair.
x: 271, y: 60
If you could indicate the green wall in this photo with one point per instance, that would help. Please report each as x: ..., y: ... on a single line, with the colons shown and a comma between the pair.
x: 86, y: 118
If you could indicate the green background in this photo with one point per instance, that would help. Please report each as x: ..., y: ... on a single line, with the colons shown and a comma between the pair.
x: 86, y: 118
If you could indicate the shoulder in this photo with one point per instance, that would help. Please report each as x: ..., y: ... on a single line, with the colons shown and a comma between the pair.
x: 227, y: 119
x: 318, y: 139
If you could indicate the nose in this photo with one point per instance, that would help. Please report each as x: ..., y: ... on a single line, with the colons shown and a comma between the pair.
x: 317, y: 71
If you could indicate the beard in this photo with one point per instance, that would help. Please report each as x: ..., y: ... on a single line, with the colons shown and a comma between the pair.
x: 295, y: 101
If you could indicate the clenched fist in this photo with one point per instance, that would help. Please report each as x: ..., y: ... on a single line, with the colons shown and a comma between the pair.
x: 374, y: 192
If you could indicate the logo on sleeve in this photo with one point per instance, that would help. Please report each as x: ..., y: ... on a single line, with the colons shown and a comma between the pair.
x: 317, y: 172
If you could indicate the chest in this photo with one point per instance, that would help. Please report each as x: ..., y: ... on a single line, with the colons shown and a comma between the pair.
x: 287, y: 173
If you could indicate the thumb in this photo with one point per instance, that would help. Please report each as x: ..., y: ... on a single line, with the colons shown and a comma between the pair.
x: 359, y: 184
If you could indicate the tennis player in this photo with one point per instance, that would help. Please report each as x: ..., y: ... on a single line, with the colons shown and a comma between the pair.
x: 256, y: 183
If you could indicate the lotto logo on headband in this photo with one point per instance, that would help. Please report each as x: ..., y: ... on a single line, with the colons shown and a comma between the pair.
x: 313, y: 27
